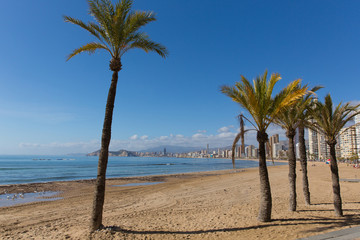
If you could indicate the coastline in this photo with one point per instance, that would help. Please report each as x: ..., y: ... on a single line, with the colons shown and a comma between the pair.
x: 205, y: 205
x: 25, y: 170
x: 53, y: 185
x: 64, y: 185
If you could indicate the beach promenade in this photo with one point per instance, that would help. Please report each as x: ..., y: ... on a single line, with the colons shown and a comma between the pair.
x: 210, y: 205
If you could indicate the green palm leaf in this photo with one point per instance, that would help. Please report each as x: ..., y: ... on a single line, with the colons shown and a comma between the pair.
x: 90, y: 48
x: 117, y: 29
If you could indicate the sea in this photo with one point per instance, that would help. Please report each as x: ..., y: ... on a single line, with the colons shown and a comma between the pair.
x: 36, y: 169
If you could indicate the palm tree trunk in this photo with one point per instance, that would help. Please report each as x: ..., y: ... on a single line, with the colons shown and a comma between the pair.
x: 292, y: 169
x: 335, y: 181
x: 99, y: 195
x: 265, y: 190
x: 303, y: 162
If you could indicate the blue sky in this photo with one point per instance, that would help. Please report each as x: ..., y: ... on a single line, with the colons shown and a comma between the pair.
x: 50, y: 106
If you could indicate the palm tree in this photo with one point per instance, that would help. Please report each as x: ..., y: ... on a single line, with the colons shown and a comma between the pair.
x: 329, y: 121
x: 239, y: 136
x: 116, y: 30
x: 304, y: 116
x: 257, y: 99
x: 289, y: 118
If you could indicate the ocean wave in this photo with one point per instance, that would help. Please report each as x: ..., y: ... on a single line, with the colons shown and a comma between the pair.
x: 12, y: 169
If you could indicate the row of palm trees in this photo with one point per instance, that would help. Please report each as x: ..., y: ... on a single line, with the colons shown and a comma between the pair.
x: 294, y: 107
x: 117, y: 30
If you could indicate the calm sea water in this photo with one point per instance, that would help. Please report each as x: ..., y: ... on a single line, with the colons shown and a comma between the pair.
x: 30, y: 169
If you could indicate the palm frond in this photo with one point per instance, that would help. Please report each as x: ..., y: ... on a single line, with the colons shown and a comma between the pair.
x: 329, y: 120
x: 89, y: 48
x: 147, y: 45
x: 87, y: 27
x: 137, y: 19
x: 116, y: 27
x: 257, y: 98
x: 236, y: 140
x: 102, y: 11
x: 122, y: 9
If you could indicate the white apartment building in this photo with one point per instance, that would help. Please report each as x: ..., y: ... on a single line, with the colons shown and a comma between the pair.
x: 357, y: 127
x: 313, y: 145
x: 318, y: 148
x: 348, y: 143
x: 276, y: 148
x: 251, y: 151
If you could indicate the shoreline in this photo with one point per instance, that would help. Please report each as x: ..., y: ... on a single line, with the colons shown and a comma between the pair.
x: 51, y: 185
x: 122, y: 167
x: 269, y: 164
x: 32, y: 186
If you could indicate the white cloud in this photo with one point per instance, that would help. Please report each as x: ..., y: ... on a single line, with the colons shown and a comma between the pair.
x: 198, y: 135
x: 144, y: 137
x: 227, y: 135
x: 164, y: 138
x: 225, y: 129
x: 136, y: 143
x: 134, y: 137
x: 201, y: 131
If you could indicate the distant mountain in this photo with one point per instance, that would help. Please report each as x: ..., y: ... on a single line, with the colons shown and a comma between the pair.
x: 172, y: 149
x: 120, y: 153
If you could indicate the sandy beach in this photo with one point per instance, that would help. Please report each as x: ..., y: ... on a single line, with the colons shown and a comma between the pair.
x: 207, y: 205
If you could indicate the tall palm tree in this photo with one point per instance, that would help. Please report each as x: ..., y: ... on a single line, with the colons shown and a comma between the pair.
x: 289, y: 118
x: 117, y: 30
x: 329, y: 121
x: 304, y: 116
x: 257, y: 99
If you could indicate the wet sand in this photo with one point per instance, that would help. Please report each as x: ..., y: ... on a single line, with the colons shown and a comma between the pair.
x: 207, y: 205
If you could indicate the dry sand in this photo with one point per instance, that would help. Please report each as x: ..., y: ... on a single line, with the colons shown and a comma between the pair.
x: 212, y: 205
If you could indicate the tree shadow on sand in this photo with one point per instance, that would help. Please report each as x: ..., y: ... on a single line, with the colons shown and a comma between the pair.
x: 327, y: 223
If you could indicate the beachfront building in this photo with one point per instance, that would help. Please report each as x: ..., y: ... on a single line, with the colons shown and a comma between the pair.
x: 348, y: 142
x: 255, y: 153
x: 297, y: 150
x: 276, y: 148
x: 357, y: 131
x: 274, y: 139
x: 238, y: 152
x: 318, y: 148
x: 251, y: 151
x: 313, y: 144
x: 323, y: 147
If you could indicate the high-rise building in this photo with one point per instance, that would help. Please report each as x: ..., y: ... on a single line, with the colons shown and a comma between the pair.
x: 249, y: 151
x: 348, y: 142
x: 313, y: 144
x: 357, y: 127
x: 323, y: 147
x: 255, y: 153
x: 276, y: 148
x: 297, y: 150
x: 318, y: 148
x: 272, y: 141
